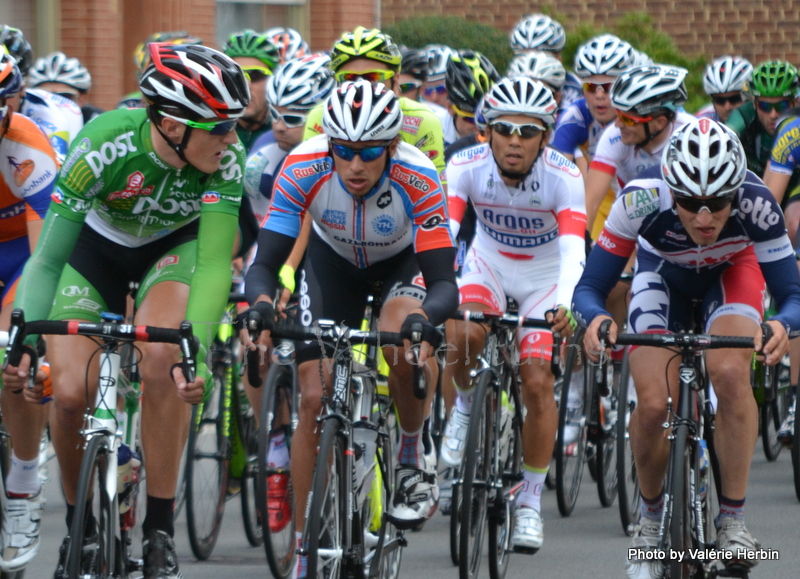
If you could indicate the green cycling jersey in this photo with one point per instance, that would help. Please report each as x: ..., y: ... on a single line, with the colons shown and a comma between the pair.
x: 114, y: 181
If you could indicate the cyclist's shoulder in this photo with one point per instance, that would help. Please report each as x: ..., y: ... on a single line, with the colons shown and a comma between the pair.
x: 314, y: 122
x: 419, y: 121
x: 575, y: 114
x: 643, y: 196
x: 742, y: 118
x: 554, y: 166
x: 470, y: 159
x: 23, y: 133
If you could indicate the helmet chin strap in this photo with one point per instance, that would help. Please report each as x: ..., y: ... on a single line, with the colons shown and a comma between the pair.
x: 650, y: 136
x: 178, y: 148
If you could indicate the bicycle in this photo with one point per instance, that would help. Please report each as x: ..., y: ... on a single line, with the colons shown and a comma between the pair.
x: 344, y: 532
x: 592, y: 425
x: 492, y: 468
x: 222, y: 448
x: 105, y: 431
x: 691, y: 489
x: 628, y: 495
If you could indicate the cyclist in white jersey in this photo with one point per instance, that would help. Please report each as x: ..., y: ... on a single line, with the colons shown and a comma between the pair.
x: 67, y: 78
x: 530, y: 246
x: 724, y: 82
x: 646, y: 100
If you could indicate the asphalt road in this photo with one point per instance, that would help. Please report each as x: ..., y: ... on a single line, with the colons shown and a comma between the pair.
x: 590, y: 543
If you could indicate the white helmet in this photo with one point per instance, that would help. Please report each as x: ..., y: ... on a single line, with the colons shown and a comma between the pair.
x: 605, y: 54
x: 519, y: 96
x: 704, y: 159
x: 438, y: 57
x: 538, y: 32
x: 301, y: 83
x: 288, y: 41
x: 359, y: 111
x: 539, y: 66
x: 56, y: 67
x: 645, y: 89
x: 641, y: 59
x: 726, y: 74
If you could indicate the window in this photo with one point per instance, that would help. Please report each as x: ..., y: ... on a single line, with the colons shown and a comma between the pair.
x: 233, y: 15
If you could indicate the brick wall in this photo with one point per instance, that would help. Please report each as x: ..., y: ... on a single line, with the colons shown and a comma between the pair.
x: 329, y: 18
x: 103, y: 33
x: 756, y: 29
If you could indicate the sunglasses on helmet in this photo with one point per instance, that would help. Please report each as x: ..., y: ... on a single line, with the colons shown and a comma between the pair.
x: 292, y: 121
x: 507, y: 129
x: 367, y: 154
x: 368, y: 75
x: 256, y: 73
x: 696, y: 204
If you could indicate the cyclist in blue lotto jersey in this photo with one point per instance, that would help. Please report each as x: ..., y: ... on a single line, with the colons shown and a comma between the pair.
x: 708, y: 229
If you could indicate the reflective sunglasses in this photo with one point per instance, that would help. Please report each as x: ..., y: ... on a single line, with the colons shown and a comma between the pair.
x: 72, y: 96
x: 696, y: 205
x: 591, y: 87
x: 256, y: 73
x: 292, y: 121
x: 630, y: 120
x: 721, y: 100
x: 507, y: 129
x: 410, y: 85
x: 439, y: 89
x: 217, y: 128
x: 368, y: 75
x: 778, y: 107
x: 465, y: 116
x: 367, y: 154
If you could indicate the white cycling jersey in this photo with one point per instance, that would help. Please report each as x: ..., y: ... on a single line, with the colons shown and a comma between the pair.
x: 627, y: 161
x: 59, y: 118
x: 541, y: 221
x: 259, y: 177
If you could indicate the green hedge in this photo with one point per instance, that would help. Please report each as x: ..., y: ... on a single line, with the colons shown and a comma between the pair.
x: 635, y: 27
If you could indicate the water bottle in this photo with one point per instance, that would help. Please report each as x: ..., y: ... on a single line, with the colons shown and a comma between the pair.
x: 365, y: 443
x: 128, y: 463
x: 506, y: 414
x: 703, y: 465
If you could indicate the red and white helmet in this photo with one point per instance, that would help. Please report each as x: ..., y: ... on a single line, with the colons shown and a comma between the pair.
x: 194, y: 82
x: 727, y: 74
x: 704, y: 159
x: 301, y: 83
x: 359, y: 111
x: 289, y: 43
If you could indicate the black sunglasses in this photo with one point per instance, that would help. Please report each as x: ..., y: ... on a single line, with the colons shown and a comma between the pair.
x: 721, y: 100
x: 696, y: 205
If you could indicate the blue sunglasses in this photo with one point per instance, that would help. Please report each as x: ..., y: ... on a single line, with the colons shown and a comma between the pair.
x: 367, y: 154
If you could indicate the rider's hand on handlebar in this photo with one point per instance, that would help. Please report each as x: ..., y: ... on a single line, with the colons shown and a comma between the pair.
x: 191, y: 392
x: 591, y: 341
x: 778, y: 345
x: 431, y: 338
x: 561, y: 321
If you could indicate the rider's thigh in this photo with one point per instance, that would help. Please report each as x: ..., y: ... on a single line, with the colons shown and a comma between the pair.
x: 69, y: 358
x: 729, y: 369
x: 311, y: 388
x: 163, y: 306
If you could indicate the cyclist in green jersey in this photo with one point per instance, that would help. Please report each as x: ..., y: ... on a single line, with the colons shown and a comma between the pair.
x: 772, y: 87
x: 373, y: 55
x: 258, y: 57
x: 150, y: 196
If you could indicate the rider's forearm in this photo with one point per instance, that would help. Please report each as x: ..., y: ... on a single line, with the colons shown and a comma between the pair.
x: 437, y: 267
x: 262, y: 277
x: 784, y: 285
x: 602, y: 272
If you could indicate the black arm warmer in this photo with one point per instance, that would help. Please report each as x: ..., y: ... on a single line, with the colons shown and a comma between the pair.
x: 437, y: 269
x: 262, y: 277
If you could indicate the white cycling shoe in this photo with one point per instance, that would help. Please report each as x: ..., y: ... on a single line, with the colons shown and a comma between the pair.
x: 528, y: 535
x: 21, y: 523
x: 645, y: 538
x: 455, y: 436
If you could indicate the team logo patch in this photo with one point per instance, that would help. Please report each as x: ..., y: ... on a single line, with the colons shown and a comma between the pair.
x: 57, y: 196
x: 384, y: 200
x: 133, y: 188
x: 168, y: 260
x: 210, y: 197
x: 384, y: 225
x: 22, y: 170
x: 334, y: 219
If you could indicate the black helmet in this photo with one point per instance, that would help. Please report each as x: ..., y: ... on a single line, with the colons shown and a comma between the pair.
x: 469, y: 75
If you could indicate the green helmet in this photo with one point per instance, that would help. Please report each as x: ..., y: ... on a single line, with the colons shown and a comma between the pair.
x: 362, y: 43
x: 253, y: 44
x: 775, y: 78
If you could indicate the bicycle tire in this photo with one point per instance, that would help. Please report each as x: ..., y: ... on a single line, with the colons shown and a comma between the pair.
x: 570, y: 457
x: 279, y: 545
x: 455, y: 520
x: 772, y: 415
x: 476, y: 465
x: 501, y: 517
x: 679, y: 517
x: 327, y: 506
x: 606, y: 453
x: 247, y: 430
x: 180, y: 489
x: 627, y: 479
x: 796, y: 456
x: 91, y: 490
x: 208, y: 458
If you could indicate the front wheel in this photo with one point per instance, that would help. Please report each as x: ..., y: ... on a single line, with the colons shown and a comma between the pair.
x: 679, y: 518
x: 627, y: 480
x: 207, y: 461
x: 607, y: 438
x: 477, y: 468
x: 93, y: 546
x: 571, y: 442
x: 327, y: 505
x: 773, y: 413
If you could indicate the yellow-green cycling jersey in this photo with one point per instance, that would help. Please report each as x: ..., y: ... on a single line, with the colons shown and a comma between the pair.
x: 421, y: 128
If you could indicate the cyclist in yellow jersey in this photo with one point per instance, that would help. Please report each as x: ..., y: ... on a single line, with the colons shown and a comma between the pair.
x: 373, y: 55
